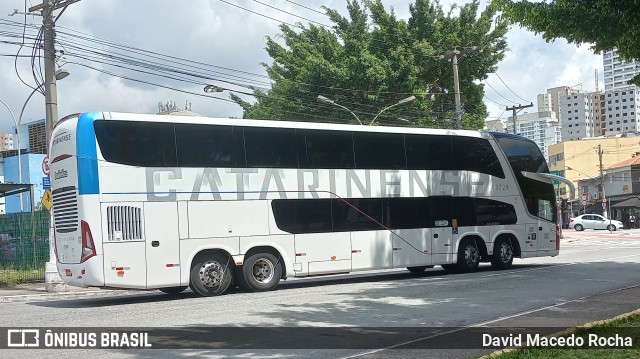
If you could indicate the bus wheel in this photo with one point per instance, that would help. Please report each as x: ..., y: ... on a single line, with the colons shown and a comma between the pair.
x: 419, y: 269
x: 468, y: 256
x: 259, y: 273
x: 173, y: 290
x: 210, y: 274
x: 502, y: 254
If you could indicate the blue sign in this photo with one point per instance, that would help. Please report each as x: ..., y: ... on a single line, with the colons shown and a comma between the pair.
x: 46, y: 182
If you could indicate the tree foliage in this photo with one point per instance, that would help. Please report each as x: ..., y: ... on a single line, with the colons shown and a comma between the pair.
x: 370, y: 60
x: 605, y: 24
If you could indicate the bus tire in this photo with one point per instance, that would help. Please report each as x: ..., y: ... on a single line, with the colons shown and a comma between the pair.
x: 173, y: 290
x: 210, y: 274
x: 418, y: 269
x: 468, y: 256
x: 502, y: 254
x: 260, y: 272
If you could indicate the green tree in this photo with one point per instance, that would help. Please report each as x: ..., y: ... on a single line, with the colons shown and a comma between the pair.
x: 371, y: 59
x: 605, y: 24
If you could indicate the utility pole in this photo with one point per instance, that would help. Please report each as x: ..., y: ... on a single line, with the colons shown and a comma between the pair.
x: 53, y: 282
x: 453, y: 55
x: 514, y: 109
x: 602, y: 192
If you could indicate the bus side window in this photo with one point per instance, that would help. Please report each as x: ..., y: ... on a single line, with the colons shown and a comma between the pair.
x: 328, y: 149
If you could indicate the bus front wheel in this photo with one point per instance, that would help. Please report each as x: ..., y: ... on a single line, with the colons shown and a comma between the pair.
x: 210, y: 274
x: 260, y: 272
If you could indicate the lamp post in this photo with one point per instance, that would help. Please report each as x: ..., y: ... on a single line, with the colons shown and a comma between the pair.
x: 17, y: 123
x: 324, y: 99
x: 405, y: 100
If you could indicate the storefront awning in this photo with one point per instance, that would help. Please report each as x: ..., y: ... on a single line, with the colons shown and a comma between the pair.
x: 633, y: 202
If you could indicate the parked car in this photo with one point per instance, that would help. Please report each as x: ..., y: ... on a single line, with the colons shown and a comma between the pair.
x: 594, y: 221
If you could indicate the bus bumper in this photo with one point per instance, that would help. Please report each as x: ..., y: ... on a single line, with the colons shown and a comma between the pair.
x: 87, y: 274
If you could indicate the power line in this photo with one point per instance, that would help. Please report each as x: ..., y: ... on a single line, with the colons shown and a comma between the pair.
x: 292, y: 14
x: 263, y: 15
x: 496, y: 91
x: 308, y: 8
x: 496, y: 73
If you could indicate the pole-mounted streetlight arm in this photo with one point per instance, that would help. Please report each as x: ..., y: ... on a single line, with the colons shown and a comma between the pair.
x: 408, y: 99
x: 324, y: 99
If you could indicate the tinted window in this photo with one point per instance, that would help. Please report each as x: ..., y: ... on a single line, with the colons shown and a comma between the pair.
x: 524, y: 155
x: 271, y: 147
x: 146, y: 144
x: 406, y: 213
x: 303, y: 216
x: 379, y: 150
x: 482, y: 212
x: 329, y: 149
x: 475, y: 154
x: 429, y: 152
x: 357, y: 214
x: 209, y: 146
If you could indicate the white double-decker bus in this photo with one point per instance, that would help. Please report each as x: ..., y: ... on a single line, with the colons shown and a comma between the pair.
x: 170, y: 202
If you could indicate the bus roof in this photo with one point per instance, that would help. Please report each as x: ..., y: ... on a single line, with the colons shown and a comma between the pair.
x: 122, y: 116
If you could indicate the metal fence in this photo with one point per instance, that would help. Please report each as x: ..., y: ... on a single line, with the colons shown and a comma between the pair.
x: 24, y: 247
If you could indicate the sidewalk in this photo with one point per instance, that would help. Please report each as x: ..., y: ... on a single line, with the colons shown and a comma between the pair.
x: 37, y: 291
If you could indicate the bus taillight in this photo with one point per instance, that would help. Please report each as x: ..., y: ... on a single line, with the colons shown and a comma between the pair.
x: 88, y: 248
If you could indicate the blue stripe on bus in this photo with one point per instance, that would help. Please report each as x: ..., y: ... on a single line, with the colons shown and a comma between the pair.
x: 87, y: 154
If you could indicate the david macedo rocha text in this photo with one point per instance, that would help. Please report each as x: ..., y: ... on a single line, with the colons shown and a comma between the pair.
x: 538, y: 340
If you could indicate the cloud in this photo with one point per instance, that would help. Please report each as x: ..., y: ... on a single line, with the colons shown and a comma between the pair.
x: 216, y: 33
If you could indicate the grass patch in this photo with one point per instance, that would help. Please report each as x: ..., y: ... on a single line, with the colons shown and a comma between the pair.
x: 11, y: 276
x: 625, y: 327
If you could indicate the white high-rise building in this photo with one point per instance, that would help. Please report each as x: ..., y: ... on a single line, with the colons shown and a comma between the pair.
x: 620, y: 111
x: 617, y: 73
x: 543, y: 128
x: 579, y: 116
x: 550, y: 101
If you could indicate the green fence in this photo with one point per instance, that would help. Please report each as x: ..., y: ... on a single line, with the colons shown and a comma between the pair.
x: 24, y: 247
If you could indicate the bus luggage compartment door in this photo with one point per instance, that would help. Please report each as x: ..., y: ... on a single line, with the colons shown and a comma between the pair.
x: 162, y: 244
x: 323, y: 253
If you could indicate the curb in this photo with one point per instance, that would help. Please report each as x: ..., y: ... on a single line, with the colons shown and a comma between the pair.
x: 59, y: 295
x: 564, y: 332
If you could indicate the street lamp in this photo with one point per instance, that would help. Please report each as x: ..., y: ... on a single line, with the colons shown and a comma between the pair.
x: 212, y: 88
x: 324, y: 99
x: 405, y: 100
x: 17, y: 123
x: 59, y: 74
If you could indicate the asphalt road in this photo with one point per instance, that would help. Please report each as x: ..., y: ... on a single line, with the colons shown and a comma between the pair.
x: 590, y: 263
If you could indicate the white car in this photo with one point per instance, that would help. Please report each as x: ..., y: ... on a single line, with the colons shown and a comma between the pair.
x: 594, y: 221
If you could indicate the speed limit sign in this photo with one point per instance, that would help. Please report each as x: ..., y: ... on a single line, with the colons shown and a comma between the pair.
x: 45, y: 166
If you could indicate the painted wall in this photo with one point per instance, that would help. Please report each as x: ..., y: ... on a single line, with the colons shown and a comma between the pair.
x: 31, y: 174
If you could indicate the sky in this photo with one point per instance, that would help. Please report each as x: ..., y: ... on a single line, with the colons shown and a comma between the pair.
x: 229, y: 42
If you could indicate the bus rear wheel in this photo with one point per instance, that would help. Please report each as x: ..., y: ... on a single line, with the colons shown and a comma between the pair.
x: 260, y: 272
x: 502, y: 254
x: 210, y: 274
x: 468, y: 256
x: 419, y: 269
x: 173, y: 290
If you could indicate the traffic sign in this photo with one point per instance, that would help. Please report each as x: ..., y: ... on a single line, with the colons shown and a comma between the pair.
x: 585, y: 198
x: 45, y: 166
x: 604, y: 200
x: 47, y: 200
x: 46, y: 182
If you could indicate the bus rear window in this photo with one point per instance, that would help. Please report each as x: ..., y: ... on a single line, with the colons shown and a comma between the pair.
x: 144, y: 144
